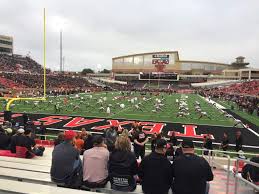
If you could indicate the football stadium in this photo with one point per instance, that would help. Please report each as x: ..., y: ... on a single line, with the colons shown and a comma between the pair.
x: 153, y: 123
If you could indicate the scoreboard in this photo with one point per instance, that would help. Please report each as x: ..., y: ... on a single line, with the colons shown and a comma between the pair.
x: 160, y: 59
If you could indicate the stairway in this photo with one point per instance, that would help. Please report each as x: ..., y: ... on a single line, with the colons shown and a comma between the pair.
x: 218, y: 185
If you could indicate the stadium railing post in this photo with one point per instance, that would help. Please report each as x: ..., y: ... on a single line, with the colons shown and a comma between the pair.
x: 236, y: 174
x: 228, y: 175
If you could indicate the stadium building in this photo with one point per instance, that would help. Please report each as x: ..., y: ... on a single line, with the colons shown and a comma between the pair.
x: 169, y: 62
x: 168, y: 66
x: 6, y: 44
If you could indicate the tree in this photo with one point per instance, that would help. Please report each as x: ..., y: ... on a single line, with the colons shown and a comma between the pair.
x: 86, y: 71
x: 105, y: 71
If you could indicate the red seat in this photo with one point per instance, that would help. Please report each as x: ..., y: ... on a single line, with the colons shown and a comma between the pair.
x: 38, y: 141
x: 21, y: 152
x: 7, y: 153
x: 45, y: 142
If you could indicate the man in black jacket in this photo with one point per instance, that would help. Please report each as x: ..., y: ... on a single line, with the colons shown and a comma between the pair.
x: 155, y: 171
x: 190, y: 172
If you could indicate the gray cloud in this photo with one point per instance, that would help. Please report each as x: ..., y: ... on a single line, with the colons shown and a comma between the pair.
x: 97, y: 30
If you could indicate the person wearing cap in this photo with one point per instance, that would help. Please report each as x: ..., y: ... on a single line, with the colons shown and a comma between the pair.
x: 155, y: 171
x: 95, y: 164
x: 190, y: 172
x: 66, y: 166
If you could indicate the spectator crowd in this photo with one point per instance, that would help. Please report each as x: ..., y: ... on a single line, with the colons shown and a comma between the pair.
x: 113, y: 158
x: 244, y: 95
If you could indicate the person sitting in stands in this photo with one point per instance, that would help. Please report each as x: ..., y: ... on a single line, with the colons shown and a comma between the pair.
x: 79, y: 143
x: 83, y: 133
x: 251, y: 172
x: 173, y: 139
x: 31, y: 146
x: 110, y: 137
x: 4, y: 139
x: 16, y: 140
x: 155, y: 171
x: 66, y: 166
x: 122, y: 166
x: 190, y: 172
x: 95, y: 164
x: 88, y: 141
x: 59, y: 139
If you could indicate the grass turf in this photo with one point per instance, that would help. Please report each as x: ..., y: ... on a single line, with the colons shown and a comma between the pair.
x: 252, y: 118
x: 87, y: 105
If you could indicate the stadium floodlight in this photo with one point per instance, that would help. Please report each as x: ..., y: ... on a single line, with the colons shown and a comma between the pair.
x: 42, y: 98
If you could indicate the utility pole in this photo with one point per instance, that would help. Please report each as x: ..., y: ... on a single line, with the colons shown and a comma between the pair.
x: 61, y: 55
x: 63, y: 63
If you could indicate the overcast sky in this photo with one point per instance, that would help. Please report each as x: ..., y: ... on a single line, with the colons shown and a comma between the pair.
x: 94, y: 31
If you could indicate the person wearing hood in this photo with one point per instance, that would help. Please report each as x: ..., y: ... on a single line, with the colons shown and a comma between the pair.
x: 122, y: 166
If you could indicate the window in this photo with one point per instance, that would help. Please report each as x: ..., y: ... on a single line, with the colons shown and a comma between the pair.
x: 6, y: 42
x: 197, y: 66
x: 172, y: 59
x: 148, y: 60
x: 138, y: 60
x: 128, y: 60
x: 186, y: 66
x: 118, y: 61
x: 5, y: 50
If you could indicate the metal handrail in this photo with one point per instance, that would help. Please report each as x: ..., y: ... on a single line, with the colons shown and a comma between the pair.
x: 228, y: 171
x: 241, y: 178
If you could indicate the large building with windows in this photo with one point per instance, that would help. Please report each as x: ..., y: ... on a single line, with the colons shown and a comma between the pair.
x: 168, y: 62
x: 6, y: 44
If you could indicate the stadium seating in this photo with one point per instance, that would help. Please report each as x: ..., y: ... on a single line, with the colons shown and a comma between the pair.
x: 244, y: 88
x: 17, y: 63
x: 7, y: 186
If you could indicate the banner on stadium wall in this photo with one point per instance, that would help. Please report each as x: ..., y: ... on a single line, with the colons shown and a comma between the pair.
x: 190, y: 131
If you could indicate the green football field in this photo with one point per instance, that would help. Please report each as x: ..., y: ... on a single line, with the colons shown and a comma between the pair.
x: 95, y: 105
x: 253, y: 118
